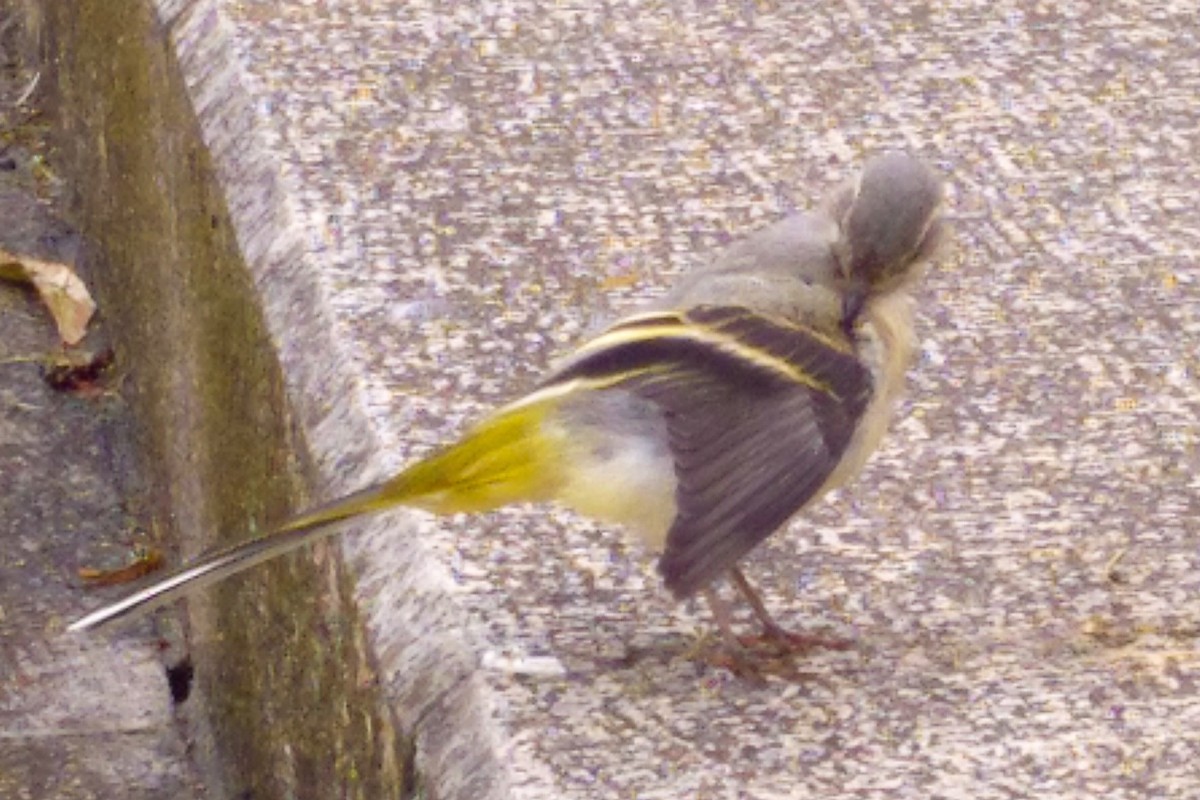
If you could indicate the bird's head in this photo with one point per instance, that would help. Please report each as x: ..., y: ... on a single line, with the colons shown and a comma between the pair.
x: 891, y: 223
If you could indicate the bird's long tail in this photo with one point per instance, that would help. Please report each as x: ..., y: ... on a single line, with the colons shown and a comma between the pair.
x: 508, y: 458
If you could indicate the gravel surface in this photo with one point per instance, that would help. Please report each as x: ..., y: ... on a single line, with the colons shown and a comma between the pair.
x: 1018, y: 566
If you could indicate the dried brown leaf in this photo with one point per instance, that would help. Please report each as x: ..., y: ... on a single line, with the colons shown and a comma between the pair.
x: 144, y: 563
x: 60, y: 289
x: 79, y: 372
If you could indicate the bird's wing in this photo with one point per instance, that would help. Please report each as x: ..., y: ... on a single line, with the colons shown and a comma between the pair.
x: 759, y: 412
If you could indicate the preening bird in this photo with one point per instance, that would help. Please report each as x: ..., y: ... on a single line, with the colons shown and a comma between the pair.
x: 703, y: 423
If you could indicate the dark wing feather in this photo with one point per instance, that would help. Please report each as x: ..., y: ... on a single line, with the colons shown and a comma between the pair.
x: 775, y: 453
x: 759, y: 412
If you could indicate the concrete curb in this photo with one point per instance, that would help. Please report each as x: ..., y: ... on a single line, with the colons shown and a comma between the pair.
x: 413, y: 627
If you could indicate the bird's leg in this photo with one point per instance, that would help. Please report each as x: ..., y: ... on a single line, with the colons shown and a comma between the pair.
x: 770, y: 627
x: 739, y: 662
x: 720, y: 612
x: 772, y: 630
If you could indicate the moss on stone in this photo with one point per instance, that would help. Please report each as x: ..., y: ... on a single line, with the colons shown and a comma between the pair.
x: 288, y: 692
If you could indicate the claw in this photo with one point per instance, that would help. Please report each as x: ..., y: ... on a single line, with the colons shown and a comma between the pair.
x: 752, y: 657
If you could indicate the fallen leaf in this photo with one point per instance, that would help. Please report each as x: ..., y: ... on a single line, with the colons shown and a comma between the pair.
x: 60, y: 289
x: 78, y: 372
x: 147, y: 560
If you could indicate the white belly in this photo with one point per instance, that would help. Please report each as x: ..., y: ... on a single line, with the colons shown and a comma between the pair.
x: 618, y: 466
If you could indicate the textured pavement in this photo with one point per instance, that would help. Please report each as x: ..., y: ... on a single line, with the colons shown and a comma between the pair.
x: 1018, y: 568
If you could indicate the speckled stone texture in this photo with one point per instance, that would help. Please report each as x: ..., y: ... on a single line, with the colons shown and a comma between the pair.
x: 479, y: 185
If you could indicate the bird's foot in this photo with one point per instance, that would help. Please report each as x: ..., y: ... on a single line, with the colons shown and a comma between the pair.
x: 753, y: 658
x: 780, y: 641
x: 738, y: 661
x: 756, y: 661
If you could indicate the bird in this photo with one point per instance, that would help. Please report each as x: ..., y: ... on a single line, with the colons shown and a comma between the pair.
x: 704, y: 421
